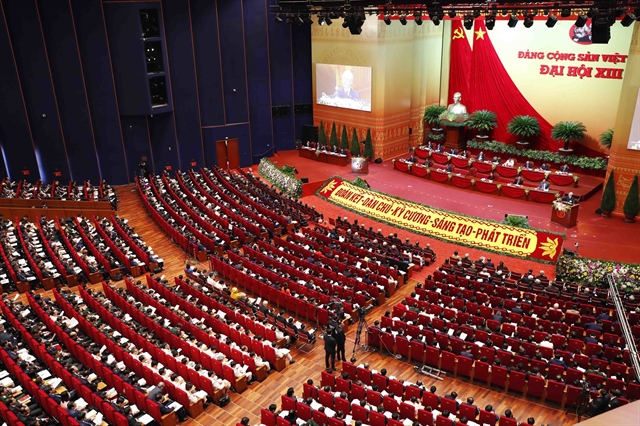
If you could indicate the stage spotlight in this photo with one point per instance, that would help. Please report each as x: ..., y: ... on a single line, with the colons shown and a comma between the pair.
x: 298, y: 20
x: 490, y: 22
x: 513, y: 20
x: 468, y: 22
x: 628, y: 20
x: 278, y: 19
x: 566, y: 12
x: 387, y: 19
x: 601, y: 27
x: 528, y: 21
x: 452, y: 14
x: 618, y: 13
x: 592, y: 12
x: 346, y: 21
x: 418, y: 20
x: 582, y: 19
x: 333, y: 15
x: 552, y: 20
x: 320, y: 20
x: 328, y: 21
x: 403, y: 19
x: 476, y: 13
x: 308, y: 20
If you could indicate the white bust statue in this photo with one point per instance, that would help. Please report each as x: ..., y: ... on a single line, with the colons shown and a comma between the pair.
x: 456, y: 107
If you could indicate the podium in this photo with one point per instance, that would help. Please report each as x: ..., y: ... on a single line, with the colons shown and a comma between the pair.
x: 359, y: 166
x: 567, y: 218
x: 454, y: 137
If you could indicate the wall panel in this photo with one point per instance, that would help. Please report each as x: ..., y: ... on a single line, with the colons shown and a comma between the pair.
x: 15, y: 136
x: 163, y: 141
x: 64, y: 60
x: 183, y: 81
x: 137, y: 143
x: 204, y: 19
x: 31, y: 59
x: 256, y: 44
x: 103, y: 106
x: 302, y: 90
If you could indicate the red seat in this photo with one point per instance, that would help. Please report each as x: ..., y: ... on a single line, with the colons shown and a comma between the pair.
x: 407, y: 411
x: 555, y: 391
x: 481, y: 371
x: 465, y: 365
x: 487, y: 418
x: 468, y: 411
x: 376, y: 419
x: 506, y: 421
x: 499, y: 376
x: 425, y: 418
x: 443, y: 421
x: 517, y: 381
x: 535, y: 386
x: 448, y: 361
x: 360, y: 413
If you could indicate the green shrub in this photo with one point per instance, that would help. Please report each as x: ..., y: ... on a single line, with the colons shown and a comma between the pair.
x: 631, y: 206
x: 608, y: 203
x: 355, y: 144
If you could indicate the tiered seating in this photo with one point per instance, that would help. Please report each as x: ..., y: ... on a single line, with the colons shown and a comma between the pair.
x: 381, y: 246
x: 271, y: 199
x: 184, y: 225
x: 137, y: 244
x: 120, y: 250
x: 55, y: 248
x: 359, y: 393
x: 438, y: 337
x: 27, y: 388
x: 263, y: 284
x: 15, y: 259
x: 73, y: 191
x: 69, y: 303
x: 72, y: 240
x: 37, y: 257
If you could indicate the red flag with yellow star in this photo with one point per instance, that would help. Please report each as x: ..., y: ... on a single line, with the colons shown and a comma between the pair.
x: 492, y: 88
x: 460, y: 62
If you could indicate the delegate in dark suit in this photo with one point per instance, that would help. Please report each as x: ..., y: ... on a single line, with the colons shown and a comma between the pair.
x: 340, y: 341
x: 330, y: 345
x: 346, y: 94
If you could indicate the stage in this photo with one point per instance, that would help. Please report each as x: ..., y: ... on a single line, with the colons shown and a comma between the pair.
x: 609, y: 239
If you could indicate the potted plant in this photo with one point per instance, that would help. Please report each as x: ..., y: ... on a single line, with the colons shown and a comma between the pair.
x: 432, y: 116
x: 322, y: 137
x: 333, y: 138
x: 483, y: 121
x: 523, y: 126
x: 368, y: 146
x: 608, y: 202
x: 567, y: 132
x: 606, y: 138
x: 631, y: 206
x: 344, y: 140
x: 355, y: 144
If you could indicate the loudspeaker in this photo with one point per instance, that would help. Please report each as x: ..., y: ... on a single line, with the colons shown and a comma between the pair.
x: 309, y: 133
x: 599, y: 211
x: 378, y: 160
x: 305, y: 180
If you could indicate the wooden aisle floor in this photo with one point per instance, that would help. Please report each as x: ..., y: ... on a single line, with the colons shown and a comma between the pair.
x: 310, y: 365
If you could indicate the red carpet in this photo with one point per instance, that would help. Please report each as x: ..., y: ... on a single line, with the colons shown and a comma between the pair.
x: 610, y: 239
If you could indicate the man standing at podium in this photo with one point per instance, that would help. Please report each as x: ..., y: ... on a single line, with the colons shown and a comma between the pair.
x: 569, y: 199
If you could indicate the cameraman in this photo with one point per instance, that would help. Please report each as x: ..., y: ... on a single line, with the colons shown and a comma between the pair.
x: 340, y: 337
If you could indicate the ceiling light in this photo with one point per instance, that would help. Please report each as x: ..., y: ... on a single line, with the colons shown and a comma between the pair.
x: 403, y: 19
x: 490, y: 22
x: 513, y: 20
x: 387, y: 20
x: 468, y: 22
x: 628, y: 20
x: 418, y: 20
x: 278, y: 19
x: 582, y: 19
x: 566, y: 12
x: 308, y: 20
x: 476, y: 13
x: 320, y: 20
x: 552, y: 20
x: 528, y: 21
x: 328, y: 21
x: 452, y: 14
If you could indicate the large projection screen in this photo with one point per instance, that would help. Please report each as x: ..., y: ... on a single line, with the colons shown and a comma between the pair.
x: 343, y: 86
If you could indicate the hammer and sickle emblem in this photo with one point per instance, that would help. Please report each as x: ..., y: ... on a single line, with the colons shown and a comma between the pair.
x: 458, y: 33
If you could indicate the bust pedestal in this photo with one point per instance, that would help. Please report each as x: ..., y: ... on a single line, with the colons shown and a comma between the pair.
x: 455, y: 137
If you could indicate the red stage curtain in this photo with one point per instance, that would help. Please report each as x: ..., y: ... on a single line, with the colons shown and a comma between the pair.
x: 460, y: 181
x: 422, y: 153
x: 401, y: 165
x: 439, y: 176
x: 483, y: 167
x: 492, y: 88
x: 532, y: 175
x: 510, y: 172
x: 541, y: 196
x: 463, y: 163
x: 486, y: 186
x: 419, y: 171
x: 512, y: 191
x: 561, y: 180
x: 440, y: 158
x: 460, y: 62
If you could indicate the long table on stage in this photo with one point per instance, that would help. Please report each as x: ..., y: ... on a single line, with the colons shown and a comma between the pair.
x: 323, y: 156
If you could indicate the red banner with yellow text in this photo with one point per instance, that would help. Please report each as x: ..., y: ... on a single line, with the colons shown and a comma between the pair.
x: 453, y: 227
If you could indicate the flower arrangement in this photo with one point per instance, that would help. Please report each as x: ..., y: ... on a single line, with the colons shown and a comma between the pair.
x: 533, y: 154
x: 592, y: 272
x: 435, y: 137
x: 454, y: 120
x: 560, y: 206
x: 277, y: 177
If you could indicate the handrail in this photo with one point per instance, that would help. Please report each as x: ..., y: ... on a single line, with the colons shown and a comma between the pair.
x: 624, y: 326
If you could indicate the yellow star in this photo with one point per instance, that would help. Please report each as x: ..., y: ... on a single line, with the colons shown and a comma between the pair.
x: 480, y: 34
